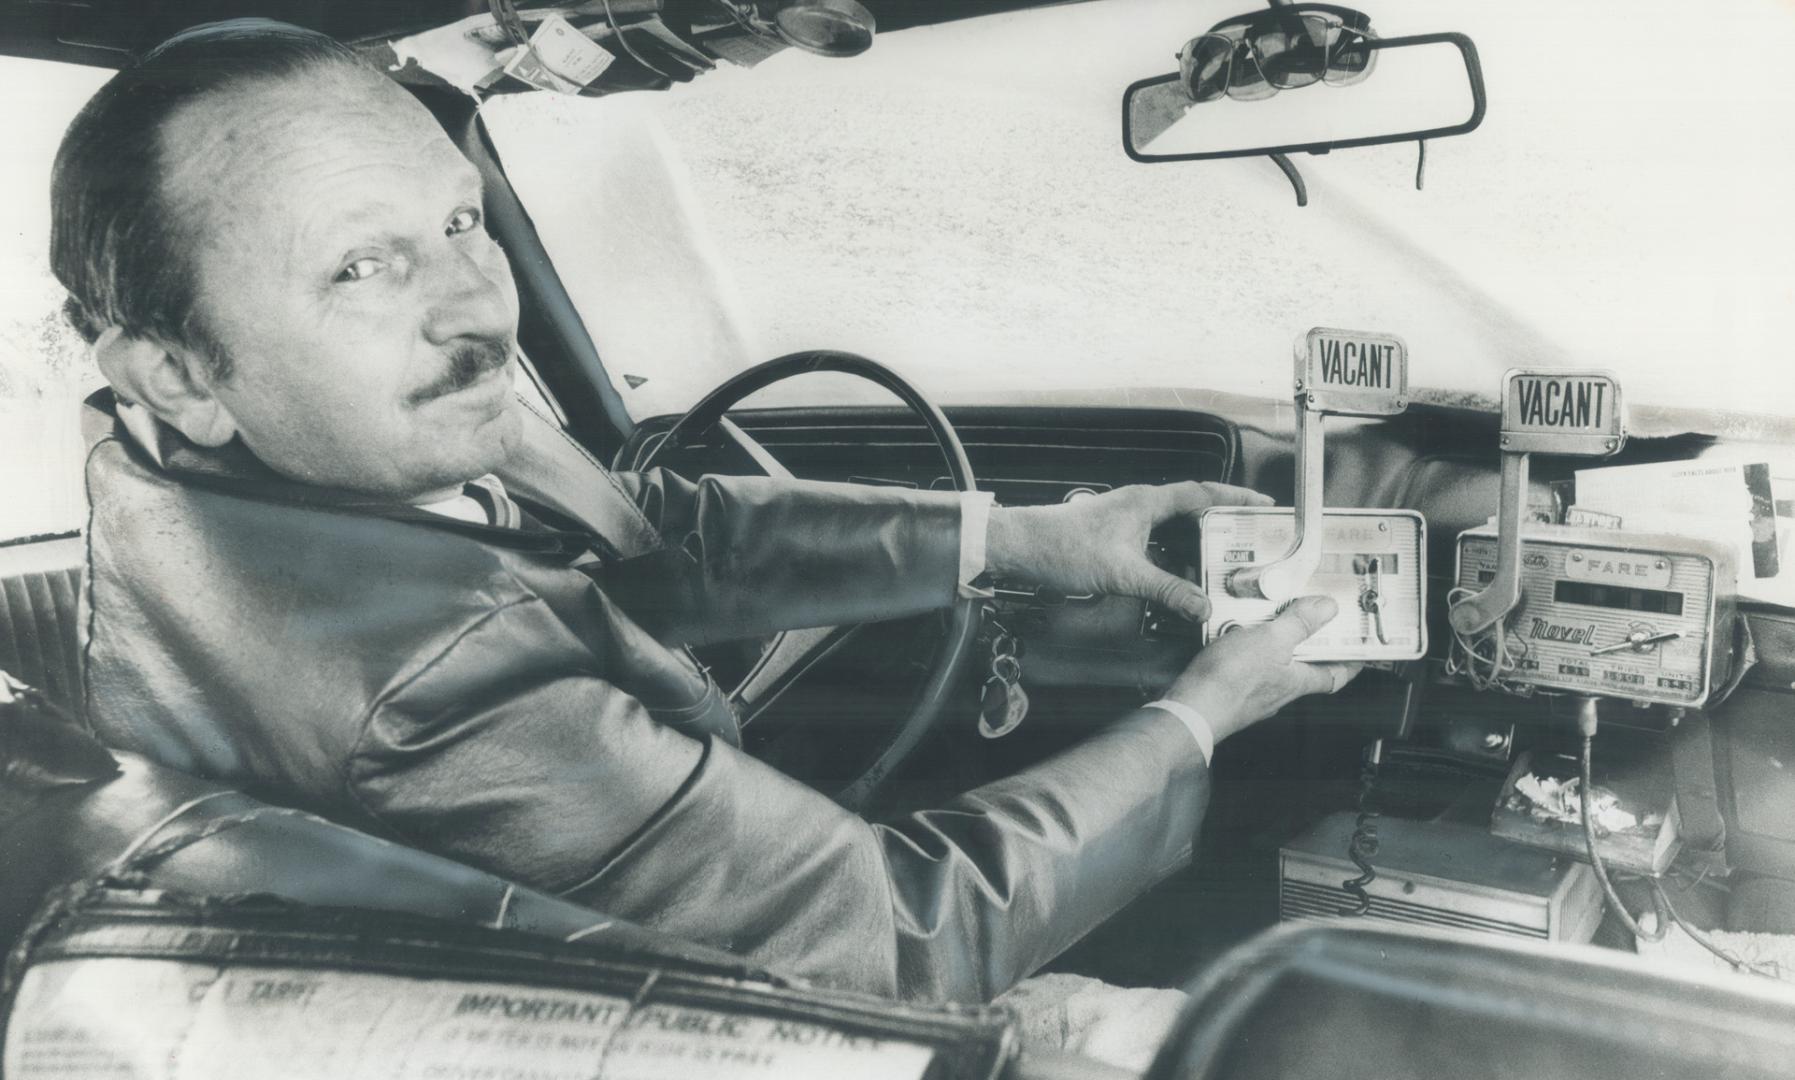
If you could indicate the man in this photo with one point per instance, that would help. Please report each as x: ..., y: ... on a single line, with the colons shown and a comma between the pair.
x: 333, y: 560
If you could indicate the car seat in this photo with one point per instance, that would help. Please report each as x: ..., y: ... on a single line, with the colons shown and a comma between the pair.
x: 73, y: 812
x: 40, y: 586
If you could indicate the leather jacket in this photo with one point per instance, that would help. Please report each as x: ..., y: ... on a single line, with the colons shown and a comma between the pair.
x: 468, y: 690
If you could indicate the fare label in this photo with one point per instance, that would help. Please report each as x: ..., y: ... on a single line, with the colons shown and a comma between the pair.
x: 1562, y: 412
x: 1618, y: 568
x: 1357, y: 372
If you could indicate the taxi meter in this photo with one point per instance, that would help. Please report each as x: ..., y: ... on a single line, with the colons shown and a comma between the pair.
x: 1588, y: 611
x: 1622, y: 615
x: 1254, y: 559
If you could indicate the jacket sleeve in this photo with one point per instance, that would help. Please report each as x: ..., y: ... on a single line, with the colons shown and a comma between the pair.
x: 746, y: 556
x: 525, y: 763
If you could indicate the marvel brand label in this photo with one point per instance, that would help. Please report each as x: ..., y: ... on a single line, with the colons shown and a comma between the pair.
x: 1540, y: 630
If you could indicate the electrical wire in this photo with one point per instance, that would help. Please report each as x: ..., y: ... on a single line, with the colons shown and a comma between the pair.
x: 742, y: 20
x: 1363, y: 845
x: 1666, y: 911
x: 1738, y: 963
x: 1595, y: 859
x: 617, y: 32
x: 1488, y: 656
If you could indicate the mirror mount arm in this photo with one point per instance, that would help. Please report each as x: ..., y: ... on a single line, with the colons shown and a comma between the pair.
x: 1296, y: 178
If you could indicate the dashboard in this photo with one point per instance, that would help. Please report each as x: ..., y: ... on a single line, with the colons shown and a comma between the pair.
x: 1437, y: 461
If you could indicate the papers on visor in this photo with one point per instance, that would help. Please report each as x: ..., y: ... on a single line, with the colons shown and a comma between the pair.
x: 1749, y: 506
x: 558, y: 58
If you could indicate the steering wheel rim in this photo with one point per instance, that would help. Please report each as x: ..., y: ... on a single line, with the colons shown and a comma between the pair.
x: 709, y: 415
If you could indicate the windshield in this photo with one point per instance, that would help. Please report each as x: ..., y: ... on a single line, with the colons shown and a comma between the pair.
x: 957, y: 203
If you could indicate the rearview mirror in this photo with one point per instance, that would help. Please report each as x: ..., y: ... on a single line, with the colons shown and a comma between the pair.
x: 1427, y: 86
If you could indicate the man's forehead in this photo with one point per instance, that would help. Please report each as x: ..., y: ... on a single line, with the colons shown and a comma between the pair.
x: 250, y: 137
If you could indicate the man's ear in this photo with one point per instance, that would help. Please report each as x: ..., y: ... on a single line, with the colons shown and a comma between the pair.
x: 174, y: 384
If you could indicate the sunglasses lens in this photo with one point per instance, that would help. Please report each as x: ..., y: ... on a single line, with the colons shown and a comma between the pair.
x: 1350, y: 59
x: 1205, y: 67
x: 1293, y: 52
x: 1246, y: 82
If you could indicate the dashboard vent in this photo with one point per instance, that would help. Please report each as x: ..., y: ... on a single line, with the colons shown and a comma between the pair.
x: 1019, y: 448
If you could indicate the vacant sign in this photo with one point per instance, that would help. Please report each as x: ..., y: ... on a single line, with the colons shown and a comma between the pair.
x: 1562, y: 412
x: 1352, y: 371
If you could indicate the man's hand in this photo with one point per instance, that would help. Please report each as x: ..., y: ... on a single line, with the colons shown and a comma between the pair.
x: 1245, y: 676
x: 1099, y: 544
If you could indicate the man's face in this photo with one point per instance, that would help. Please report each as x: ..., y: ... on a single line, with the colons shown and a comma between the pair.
x: 344, y: 269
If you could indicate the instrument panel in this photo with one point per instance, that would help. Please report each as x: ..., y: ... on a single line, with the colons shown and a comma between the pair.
x: 1373, y: 565
x: 1629, y: 616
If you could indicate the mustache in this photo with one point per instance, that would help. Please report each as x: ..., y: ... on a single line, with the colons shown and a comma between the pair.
x: 469, y: 362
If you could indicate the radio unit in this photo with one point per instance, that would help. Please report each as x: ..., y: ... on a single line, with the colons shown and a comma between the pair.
x: 1624, y: 615
x: 1372, y: 563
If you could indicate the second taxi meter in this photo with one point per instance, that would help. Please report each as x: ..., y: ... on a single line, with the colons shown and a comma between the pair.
x: 1254, y: 560
x: 1586, y: 611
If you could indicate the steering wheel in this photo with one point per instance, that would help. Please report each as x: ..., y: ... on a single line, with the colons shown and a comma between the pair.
x: 788, y: 655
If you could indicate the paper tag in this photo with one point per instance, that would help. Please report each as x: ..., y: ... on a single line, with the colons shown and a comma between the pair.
x: 558, y: 58
x: 142, y: 1019
x: 1728, y: 501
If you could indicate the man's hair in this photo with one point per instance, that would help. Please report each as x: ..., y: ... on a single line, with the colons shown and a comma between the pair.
x: 116, y: 243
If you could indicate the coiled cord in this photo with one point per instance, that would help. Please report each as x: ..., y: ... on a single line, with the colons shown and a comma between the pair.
x: 1363, y: 845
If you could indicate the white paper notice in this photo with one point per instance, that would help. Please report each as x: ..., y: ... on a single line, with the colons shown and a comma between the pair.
x: 132, y: 1019
x: 463, y: 54
x: 1735, y: 503
x: 559, y: 58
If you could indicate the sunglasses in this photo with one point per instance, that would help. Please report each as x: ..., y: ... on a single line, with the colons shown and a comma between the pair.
x: 1252, y: 57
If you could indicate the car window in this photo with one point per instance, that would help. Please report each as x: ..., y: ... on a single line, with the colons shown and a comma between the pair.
x: 44, y: 366
x: 957, y: 203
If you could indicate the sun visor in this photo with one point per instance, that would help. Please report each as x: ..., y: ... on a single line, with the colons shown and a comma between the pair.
x: 604, y: 46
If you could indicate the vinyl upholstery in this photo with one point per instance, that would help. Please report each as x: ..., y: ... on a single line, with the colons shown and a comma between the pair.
x: 40, y: 585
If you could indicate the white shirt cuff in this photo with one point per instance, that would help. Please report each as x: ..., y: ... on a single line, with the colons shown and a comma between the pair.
x: 1193, y: 722
x: 975, y: 519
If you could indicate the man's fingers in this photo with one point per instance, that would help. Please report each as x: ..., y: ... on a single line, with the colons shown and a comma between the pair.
x: 1329, y: 677
x: 1194, y: 497
x: 1229, y: 495
x: 1301, y: 618
x: 1177, y: 594
x: 1344, y: 673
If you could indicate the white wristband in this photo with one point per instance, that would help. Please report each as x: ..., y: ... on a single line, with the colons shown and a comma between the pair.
x: 1193, y: 721
x: 975, y: 520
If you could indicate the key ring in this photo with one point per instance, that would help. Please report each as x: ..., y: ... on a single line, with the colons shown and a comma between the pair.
x: 1001, y: 692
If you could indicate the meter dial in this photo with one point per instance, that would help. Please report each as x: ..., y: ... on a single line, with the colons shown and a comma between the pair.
x: 1641, y: 638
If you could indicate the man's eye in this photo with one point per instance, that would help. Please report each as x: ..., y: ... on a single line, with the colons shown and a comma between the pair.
x: 359, y: 270
x: 463, y: 221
